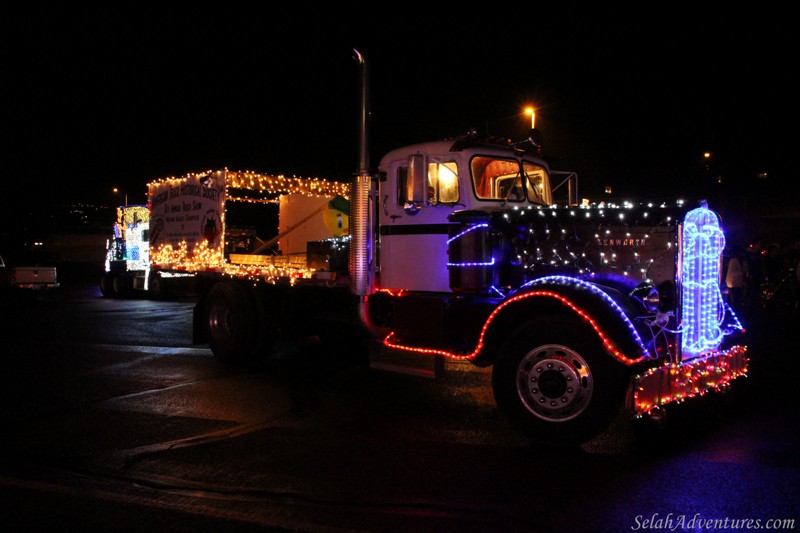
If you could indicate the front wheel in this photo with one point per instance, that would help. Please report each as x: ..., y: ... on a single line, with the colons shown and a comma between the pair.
x: 556, y: 383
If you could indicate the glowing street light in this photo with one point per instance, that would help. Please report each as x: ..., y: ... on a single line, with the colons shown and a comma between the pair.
x: 116, y: 191
x: 530, y: 111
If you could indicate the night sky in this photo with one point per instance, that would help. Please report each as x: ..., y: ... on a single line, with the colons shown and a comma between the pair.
x: 95, y: 99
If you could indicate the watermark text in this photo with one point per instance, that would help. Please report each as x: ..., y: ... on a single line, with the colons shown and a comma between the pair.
x: 698, y: 523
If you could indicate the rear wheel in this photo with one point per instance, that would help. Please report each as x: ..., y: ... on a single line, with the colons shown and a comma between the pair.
x: 158, y: 288
x: 556, y: 383
x: 233, y: 321
x: 105, y: 285
x: 121, y: 286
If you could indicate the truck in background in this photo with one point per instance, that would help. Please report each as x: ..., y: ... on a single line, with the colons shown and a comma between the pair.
x: 127, y: 269
x: 459, y: 250
x: 126, y: 266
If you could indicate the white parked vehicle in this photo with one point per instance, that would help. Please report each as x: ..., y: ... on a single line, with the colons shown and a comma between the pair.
x: 28, y: 277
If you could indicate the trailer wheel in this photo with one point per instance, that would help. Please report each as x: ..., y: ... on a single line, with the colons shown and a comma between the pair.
x: 158, y: 288
x: 556, y: 383
x: 232, y: 322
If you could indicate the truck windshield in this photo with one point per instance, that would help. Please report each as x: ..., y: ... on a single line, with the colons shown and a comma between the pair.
x: 537, y: 184
x: 505, y: 180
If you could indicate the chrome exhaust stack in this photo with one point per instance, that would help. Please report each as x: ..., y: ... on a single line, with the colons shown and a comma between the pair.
x: 360, y: 224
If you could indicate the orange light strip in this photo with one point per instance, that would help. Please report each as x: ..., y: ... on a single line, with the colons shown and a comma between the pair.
x: 607, y: 343
x: 271, y: 184
x: 675, y: 382
x: 392, y: 292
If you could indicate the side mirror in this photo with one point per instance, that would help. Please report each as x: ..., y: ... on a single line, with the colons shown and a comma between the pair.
x: 415, y: 184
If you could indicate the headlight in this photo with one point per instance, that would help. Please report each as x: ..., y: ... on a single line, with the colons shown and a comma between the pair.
x: 647, y: 296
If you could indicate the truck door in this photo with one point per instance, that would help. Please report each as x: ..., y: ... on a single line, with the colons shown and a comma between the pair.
x: 419, y: 194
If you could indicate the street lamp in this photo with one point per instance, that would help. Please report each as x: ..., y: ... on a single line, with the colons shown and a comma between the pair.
x: 116, y: 190
x: 530, y: 111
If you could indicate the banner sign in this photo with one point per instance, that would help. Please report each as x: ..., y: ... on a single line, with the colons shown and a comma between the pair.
x: 187, y: 214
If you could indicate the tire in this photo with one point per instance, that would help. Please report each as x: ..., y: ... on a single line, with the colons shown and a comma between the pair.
x: 158, y: 288
x: 105, y: 285
x: 535, y: 375
x: 233, y: 321
x: 121, y: 286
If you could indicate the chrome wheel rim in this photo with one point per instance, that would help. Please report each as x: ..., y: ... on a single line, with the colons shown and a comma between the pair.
x: 554, y: 383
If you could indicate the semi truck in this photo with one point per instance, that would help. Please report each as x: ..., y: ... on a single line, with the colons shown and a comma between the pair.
x: 467, y: 250
x: 126, y: 266
x: 127, y: 270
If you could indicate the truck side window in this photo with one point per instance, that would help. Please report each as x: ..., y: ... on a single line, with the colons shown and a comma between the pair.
x: 442, y: 184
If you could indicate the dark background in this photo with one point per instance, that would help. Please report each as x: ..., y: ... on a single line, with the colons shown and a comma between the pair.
x: 104, y: 97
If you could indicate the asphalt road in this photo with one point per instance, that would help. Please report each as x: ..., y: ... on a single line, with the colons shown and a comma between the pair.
x: 113, y: 420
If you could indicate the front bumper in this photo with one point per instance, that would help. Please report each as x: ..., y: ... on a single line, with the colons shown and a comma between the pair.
x: 676, y: 382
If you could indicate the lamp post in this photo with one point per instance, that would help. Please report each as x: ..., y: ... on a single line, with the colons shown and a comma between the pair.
x: 116, y: 191
x: 532, y: 112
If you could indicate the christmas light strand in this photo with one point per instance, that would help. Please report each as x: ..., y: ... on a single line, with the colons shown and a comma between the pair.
x: 676, y: 382
x: 267, y: 184
x: 703, y: 306
x: 270, y: 269
x: 609, y: 345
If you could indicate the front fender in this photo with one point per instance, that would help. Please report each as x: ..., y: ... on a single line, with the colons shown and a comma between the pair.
x: 559, y: 295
